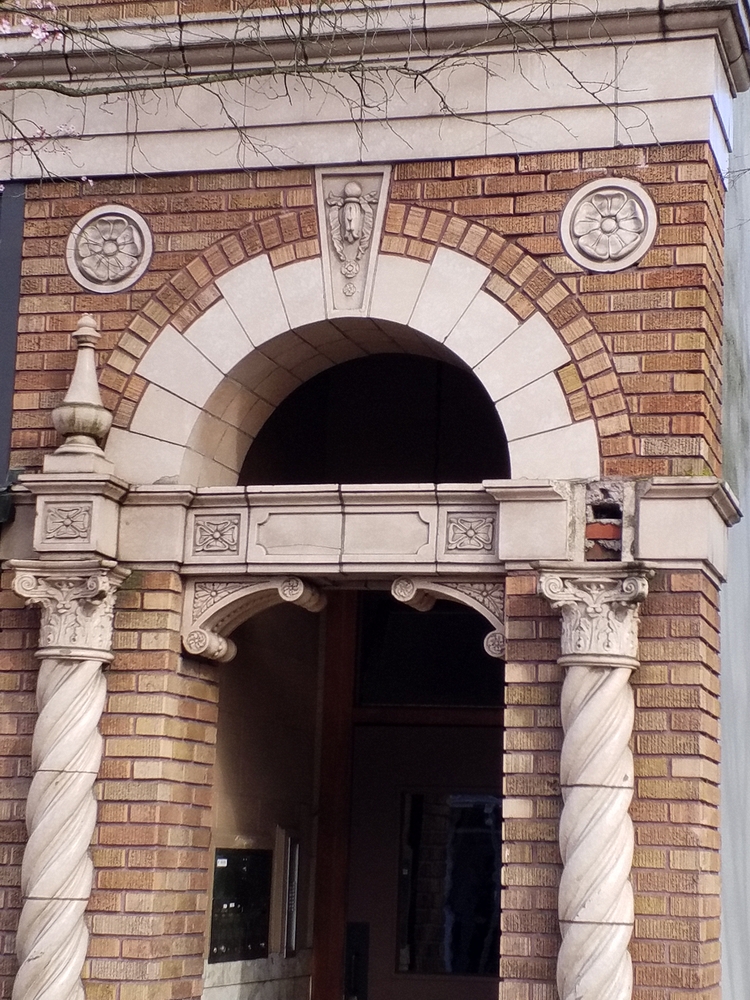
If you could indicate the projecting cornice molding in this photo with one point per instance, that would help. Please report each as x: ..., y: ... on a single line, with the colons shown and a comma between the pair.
x: 536, y: 60
x: 148, y: 47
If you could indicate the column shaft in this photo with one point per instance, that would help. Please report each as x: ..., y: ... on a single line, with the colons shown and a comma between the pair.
x: 599, y: 646
x: 56, y: 877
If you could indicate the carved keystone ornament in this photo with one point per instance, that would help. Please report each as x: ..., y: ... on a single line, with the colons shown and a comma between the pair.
x: 350, y: 215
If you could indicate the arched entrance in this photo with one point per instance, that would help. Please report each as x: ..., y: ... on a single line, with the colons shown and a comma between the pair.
x: 358, y: 760
x: 206, y: 394
x: 359, y: 752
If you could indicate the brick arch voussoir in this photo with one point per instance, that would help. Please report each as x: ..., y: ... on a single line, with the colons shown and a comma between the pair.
x: 519, y: 280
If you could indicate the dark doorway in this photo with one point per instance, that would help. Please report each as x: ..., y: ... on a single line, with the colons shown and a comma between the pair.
x: 387, y: 418
x: 415, y: 764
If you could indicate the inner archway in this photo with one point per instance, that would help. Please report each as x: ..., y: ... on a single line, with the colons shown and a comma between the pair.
x: 386, y: 418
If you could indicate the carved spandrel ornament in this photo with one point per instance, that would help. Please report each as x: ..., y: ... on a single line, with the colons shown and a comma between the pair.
x: 486, y: 598
x: 77, y: 601
x: 109, y: 249
x: 214, y: 608
x: 608, y: 224
x: 350, y: 210
x: 599, y: 613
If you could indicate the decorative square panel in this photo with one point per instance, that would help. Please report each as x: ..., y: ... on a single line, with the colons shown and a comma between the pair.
x: 216, y: 535
x: 469, y: 532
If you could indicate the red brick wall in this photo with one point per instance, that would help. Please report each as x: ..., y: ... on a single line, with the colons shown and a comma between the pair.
x: 644, y: 343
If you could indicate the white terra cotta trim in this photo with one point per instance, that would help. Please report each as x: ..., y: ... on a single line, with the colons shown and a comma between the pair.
x: 107, y: 287
x: 635, y: 193
x: 211, y: 389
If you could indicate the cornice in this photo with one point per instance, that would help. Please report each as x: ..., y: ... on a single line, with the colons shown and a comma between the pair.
x: 387, y: 30
x: 695, y: 488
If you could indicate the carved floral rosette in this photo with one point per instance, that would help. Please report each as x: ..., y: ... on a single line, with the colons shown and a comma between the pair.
x: 608, y: 224
x: 109, y: 248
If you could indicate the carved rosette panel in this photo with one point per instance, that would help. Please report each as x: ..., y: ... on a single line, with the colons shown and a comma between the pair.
x: 469, y: 532
x: 77, y: 604
x: 109, y: 248
x: 217, y: 535
x: 215, y: 608
x: 486, y: 598
x: 608, y: 224
x: 68, y: 522
x: 599, y: 648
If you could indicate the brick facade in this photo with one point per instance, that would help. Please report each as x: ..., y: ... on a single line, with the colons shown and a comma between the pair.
x: 675, y: 946
x: 644, y: 343
x: 645, y: 362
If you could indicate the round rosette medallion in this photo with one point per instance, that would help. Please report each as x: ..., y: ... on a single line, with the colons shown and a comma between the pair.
x: 609, y: 224
x: 109, y: 249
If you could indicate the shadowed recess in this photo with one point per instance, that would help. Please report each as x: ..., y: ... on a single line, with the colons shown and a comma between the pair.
x: 381, y: 419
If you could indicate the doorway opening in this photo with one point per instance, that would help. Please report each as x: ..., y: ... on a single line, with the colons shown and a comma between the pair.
x: 359, y: 772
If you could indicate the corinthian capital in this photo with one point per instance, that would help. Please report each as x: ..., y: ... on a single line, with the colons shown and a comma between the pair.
x: 599, y: 611
x: 77, y: 600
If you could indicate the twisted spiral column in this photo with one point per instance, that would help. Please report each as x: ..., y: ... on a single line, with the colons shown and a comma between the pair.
x: 77, y: 600
x: 599, y: 652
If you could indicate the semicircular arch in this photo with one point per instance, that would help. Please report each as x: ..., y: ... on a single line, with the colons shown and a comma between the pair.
x: 204, y: 382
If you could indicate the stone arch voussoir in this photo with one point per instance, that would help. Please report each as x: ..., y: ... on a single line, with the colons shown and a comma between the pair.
x: 287, y: 248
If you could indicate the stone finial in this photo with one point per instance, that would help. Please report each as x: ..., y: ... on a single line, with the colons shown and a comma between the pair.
x: 81, y: 418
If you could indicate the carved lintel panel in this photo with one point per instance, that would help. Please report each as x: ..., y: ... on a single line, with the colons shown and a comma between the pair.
x: 77, y: 601
x: 214, y: 608
x: 486, y: 598
x: 351, y: 202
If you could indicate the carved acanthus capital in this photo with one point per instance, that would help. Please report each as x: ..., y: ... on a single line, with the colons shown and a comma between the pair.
x: 77, y: 601
x: 599, y: 612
